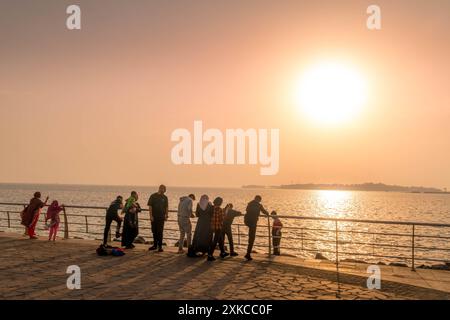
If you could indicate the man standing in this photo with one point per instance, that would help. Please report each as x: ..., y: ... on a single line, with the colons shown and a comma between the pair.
x: 254, y: 208
x: 184, y: 220
x: 229, y: 214
x: 158, y: 207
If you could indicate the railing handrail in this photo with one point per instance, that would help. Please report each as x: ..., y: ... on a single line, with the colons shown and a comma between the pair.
x: 406, y: 223
x: 336, y: 222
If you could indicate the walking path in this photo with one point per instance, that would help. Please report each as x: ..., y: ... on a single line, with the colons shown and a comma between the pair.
x: 36, y: 269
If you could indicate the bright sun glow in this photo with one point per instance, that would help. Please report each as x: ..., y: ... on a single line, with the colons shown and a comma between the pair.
x: 331, y: 93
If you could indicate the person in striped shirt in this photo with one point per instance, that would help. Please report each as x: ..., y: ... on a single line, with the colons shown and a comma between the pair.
x: 216, y: 229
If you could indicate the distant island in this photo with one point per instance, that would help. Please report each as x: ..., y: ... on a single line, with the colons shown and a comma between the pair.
x: 352, y: 187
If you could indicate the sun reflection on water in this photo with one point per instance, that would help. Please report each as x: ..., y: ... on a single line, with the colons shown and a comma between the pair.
x: 334, y: 203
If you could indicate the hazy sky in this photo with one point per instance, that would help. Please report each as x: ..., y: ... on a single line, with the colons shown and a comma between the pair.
x: 98, y: 105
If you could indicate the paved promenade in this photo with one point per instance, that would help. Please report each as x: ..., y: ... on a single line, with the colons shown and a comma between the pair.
x: 36, y: 269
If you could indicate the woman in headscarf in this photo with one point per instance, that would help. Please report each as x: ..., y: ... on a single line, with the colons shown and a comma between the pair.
x: 202, y: 234
x: 131, y: 221
x: 30, y: 215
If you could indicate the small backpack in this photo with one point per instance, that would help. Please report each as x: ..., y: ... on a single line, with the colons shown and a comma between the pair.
x: 117, y: 252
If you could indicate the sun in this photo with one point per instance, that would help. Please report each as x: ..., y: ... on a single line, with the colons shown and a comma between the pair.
x: 331, y: 93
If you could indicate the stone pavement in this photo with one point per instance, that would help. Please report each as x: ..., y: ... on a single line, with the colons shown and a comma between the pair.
x: 36, y: 269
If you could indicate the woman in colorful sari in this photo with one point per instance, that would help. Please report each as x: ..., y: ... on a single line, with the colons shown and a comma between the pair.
x: 202, y: 234
x: 130, y: 221
x: 30, y: 215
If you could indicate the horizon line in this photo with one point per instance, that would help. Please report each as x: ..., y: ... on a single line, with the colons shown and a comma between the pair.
x: 224, y: 187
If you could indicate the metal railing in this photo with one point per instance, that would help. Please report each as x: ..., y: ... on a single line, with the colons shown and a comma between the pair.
x: 337, y: 234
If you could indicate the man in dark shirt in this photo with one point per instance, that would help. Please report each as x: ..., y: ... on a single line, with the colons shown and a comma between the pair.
x: 158, y: 207
x: 113, y: 215
x: 230, y: 214
x: 254, y: 209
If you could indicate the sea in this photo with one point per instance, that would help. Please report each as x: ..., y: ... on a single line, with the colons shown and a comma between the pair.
x: 301, y: 235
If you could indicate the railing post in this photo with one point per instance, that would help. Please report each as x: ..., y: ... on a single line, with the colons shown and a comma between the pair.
x: 413, y: 268
x: 301, y: 236
x: 269, y: 237
x: 239, y: 236
x: 66, y: 224
x: 373, y: 244
x: 26, y: 229
x: 338, y: 293
x: 337, y: 243
x: 9, y: 221
x: 87, y: 225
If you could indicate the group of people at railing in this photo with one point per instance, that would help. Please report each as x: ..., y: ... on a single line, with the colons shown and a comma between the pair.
x: 31, y: 213
x: 214, y: 222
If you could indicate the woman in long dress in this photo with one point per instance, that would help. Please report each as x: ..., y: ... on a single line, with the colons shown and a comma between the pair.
x: 30, y: 215
x: 202, y: 234
x: 131, y: 221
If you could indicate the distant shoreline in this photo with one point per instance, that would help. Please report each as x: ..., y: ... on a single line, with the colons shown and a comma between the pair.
x: 310, y: 187
x: 380, y: 187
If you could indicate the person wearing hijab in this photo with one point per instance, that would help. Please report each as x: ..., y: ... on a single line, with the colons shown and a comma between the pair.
x: 217, y: 232
x: 131, y: 221
x: 53, y: 215
x: 30, y: 215
x: 202, y: 233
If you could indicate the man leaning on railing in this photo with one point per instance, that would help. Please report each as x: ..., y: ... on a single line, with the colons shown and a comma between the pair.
x: 254, y: 209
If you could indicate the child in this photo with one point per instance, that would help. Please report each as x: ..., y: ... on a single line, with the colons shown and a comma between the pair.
x: 276, y: 233
x: 53, y: 215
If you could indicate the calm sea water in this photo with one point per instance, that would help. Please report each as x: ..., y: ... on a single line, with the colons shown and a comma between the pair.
x: 434, y: 208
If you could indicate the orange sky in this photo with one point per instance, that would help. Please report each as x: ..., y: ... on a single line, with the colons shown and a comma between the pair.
x: 97, y: 106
